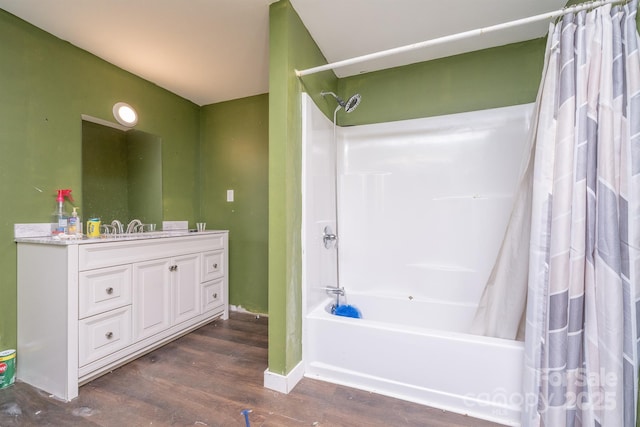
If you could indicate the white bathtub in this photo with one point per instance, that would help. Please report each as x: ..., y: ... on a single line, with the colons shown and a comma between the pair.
x: 436, y: 364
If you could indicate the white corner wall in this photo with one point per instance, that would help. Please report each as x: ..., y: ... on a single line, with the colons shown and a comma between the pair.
x: 319, y: 266
x: 423, y: 204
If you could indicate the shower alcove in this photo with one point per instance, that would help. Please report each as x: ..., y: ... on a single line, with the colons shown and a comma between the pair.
x: 422, y: 208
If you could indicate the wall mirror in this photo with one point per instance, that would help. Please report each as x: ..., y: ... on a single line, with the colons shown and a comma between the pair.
x: 121, y: 173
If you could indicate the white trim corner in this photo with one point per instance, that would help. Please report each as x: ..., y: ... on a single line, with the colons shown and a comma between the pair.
x: 284, y: 383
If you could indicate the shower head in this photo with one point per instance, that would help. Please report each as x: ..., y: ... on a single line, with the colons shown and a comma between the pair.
x: 349, y: 105
x: 352, y: 103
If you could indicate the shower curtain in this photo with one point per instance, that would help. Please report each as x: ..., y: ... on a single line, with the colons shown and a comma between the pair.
x: 581, y: 336
x: 568, y: 271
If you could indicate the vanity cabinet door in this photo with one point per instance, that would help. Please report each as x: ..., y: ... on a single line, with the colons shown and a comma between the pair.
x: 151, y: 297
x: 185, y: 278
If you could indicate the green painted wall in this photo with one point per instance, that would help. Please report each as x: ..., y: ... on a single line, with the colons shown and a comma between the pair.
x: 234, y: 155
x: 46, y: 84
x: 498, y: 77
x: 291, y: 47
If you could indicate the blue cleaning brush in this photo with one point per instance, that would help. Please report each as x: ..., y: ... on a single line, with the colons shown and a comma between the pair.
x: 347, y: 311
x: 246, y: 413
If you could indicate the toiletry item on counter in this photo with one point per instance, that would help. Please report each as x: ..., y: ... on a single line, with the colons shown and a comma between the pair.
x: 60, y: 224
x: 93, y: 227
x: 74, y: 224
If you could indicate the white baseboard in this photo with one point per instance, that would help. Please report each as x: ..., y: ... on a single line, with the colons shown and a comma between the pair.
x: 241, y: 309
x: 284, y: 383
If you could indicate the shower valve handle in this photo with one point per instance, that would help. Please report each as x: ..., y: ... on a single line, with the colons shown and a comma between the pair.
x: 328, y: 238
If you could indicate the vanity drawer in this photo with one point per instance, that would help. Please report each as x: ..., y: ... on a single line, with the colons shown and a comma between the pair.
x: 119, y: 252
x: 212, y: 296
x: 101, y: 335
x: 103, y: 290
x: 212, y: 265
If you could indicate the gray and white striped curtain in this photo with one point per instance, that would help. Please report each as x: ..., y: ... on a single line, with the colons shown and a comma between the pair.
x: 581, y: 338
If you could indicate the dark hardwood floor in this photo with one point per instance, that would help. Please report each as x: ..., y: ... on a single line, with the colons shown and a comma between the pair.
x: 207, y: 378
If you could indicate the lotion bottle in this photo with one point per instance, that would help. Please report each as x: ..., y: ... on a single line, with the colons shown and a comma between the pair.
x: 75, y: 225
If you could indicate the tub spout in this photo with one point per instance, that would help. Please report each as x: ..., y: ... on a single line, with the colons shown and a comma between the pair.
x: 338, y: 292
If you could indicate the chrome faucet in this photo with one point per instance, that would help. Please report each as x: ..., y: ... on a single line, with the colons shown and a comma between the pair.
x: 134, y: 226
x: 117, y: 226
x: 338, y: 292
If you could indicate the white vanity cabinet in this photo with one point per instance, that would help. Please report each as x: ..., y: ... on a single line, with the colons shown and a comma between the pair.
x: 167, y: 293
x: 85, y: 308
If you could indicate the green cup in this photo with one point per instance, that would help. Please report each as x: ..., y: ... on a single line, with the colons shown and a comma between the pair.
x: 7, y: 368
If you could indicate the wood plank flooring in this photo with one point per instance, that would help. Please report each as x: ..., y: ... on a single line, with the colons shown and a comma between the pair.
x: 207, y: 378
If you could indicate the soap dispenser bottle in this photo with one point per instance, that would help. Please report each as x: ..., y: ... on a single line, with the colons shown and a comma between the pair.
x: 60, y: 224
x: 74, y: 224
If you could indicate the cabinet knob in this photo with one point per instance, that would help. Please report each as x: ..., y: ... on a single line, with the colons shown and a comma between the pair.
x: 109, y: 335
x: 215, y: 265
x: 109, y: 290
x: 215, y: 295
x: 173, y: 267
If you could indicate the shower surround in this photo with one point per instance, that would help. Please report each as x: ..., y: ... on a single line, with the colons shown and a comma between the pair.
x: 422, y: 208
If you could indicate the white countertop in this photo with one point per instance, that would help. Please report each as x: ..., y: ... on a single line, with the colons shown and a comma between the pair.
x: 49, y: 240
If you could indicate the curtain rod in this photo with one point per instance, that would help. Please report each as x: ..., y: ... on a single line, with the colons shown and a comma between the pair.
x: 455, y: 37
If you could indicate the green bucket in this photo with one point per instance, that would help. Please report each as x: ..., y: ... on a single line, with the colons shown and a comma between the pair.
x: 7, y: 368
